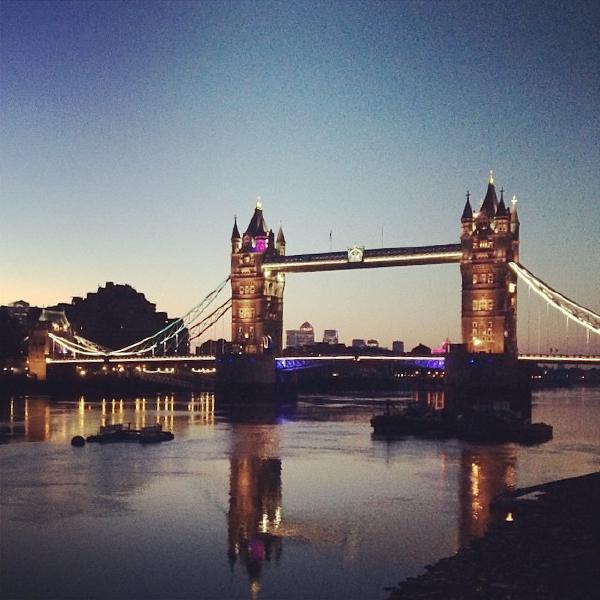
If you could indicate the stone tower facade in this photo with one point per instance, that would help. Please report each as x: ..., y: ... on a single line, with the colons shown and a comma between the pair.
x: 40, y: 346
x: 257, y: 295
x: 490, y: 240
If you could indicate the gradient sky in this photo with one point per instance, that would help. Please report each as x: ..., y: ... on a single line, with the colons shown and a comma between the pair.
x: 132, y: 132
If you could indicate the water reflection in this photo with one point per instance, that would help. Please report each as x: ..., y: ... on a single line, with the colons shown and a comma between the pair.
x: 356, y: 517
x: 255, y: 513
x: 42, y: 419
x: 434, y: 399
x: 25, y: 418
x: 485, y: 472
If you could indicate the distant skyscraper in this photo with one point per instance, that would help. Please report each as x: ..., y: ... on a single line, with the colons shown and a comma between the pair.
x: 18, y: 310
x: 303, y: 336
x: 372, y: 343
x: 358, y: 343
x: 398, y: 347
x: 330, y: 336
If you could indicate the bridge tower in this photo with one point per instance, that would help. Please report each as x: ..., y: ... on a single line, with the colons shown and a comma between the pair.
x: 489, y: 240
x: 39, y: 344
x: 257, y: 294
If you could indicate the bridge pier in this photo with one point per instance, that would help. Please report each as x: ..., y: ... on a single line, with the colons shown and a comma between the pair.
x: 486, y: 381
x: 245, y: 370
x: 251, y: 378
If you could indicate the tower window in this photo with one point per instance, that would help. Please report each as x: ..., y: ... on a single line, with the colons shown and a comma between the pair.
x: 483, y: 304
x: 246, y: 312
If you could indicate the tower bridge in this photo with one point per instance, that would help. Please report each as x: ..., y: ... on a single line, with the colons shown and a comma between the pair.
x: 488, y: 256
x: 489, y: 244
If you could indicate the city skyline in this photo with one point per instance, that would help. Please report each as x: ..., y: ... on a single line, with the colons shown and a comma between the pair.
x: 133, y: 133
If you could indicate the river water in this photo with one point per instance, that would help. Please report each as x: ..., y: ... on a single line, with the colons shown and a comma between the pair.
x: 295, y: 503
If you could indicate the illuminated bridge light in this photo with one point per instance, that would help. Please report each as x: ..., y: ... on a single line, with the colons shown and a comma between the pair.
x: 135, y: 359
x: 295, y: 362
x: 560, y: 358
x: 292, y: 363
x: 581, y: 315
x: 378, y: 257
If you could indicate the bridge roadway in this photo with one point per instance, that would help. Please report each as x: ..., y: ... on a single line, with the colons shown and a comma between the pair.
x: 283, y: 360
x: 362, y: 258
x: 440, y: 358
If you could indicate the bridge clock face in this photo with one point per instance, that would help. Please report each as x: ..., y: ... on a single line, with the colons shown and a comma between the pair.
x: 355, y: 254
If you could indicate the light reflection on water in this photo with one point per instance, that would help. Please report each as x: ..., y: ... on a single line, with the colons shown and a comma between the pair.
x: 299, y: 502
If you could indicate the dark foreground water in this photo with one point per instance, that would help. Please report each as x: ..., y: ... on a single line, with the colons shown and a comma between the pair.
x: 300, y: 504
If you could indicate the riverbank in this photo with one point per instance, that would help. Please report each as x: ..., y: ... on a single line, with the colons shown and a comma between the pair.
x: 546, y: 550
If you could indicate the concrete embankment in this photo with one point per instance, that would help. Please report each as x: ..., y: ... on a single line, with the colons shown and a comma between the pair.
x: 549, y: 549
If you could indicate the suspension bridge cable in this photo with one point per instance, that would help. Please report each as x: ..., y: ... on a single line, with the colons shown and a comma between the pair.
x: 72, y: 346
x: 529, y: 320
x: 199, y: 323
x: 581, y: 315
x: 177, y: 326
x: 172, y: 330
x: 91, y: 345
x: 225, y: 308
x: 211, y: 323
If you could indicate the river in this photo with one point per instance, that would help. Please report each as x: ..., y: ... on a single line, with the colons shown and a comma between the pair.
x: 296, y: 503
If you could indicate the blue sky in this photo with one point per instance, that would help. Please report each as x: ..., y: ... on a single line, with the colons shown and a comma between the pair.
x: 132, y: 132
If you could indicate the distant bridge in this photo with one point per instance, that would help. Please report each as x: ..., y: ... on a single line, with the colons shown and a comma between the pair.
x: 560, y: 359
x: 434, y: 361
x: 114, y: 360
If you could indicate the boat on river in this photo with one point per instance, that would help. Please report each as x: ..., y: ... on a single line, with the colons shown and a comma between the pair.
x: 414, y: 419
x: 475, y: 426
x: 498, y: 427
x: 118, y: 433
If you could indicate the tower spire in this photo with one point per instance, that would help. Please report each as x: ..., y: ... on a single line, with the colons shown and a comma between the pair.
x: 235, y: 234
x: 502, y: 210
x: 490, y: 202
x: 280, y: 236
x: 467, y: 211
